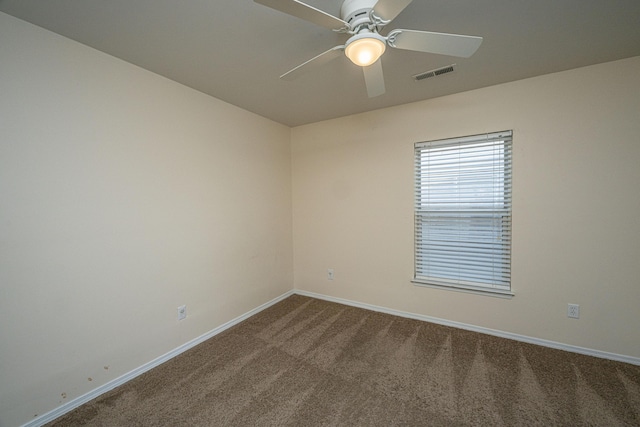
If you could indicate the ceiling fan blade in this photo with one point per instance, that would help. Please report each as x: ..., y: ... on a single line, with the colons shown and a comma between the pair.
x: 314, y: 62
x: 306, y: 12
x: 440, y: 43
x: 387, y: 10
x: 374, y: 79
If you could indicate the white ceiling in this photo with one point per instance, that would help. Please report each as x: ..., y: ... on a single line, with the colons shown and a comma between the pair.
x: 235, y: 50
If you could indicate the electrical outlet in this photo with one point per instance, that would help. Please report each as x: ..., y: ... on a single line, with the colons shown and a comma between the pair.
x: 330, y: 274
x: 573, y: 311
x: 182, y: 312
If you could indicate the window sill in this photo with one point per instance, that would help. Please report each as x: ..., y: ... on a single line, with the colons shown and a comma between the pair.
x: 465, y: 289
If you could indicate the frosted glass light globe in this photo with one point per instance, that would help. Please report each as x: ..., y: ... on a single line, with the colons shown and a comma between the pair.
x: 365, y: 49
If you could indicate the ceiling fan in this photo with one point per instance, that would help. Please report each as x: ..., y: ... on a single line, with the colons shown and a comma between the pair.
x: 362, y: 20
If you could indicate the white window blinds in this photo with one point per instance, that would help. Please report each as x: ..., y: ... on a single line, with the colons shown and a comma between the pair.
x: 463, y: 212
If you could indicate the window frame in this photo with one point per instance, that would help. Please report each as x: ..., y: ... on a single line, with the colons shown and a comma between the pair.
x: 449, y: 199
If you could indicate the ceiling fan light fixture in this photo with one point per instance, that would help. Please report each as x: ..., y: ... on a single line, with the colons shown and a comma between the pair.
x: 365, y: 48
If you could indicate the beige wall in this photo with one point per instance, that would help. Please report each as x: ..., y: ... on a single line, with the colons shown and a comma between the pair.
x: 576, y: 205
x: 122, y: 196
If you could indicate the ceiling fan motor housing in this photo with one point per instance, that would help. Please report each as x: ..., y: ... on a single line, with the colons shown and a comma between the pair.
x: 357, y: 12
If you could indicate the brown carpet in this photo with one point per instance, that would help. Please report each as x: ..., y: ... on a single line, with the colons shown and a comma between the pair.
x: 307, y: 362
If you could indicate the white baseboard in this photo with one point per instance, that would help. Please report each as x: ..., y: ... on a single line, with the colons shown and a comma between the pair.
x: 494, y: 332
x: 81, y: 400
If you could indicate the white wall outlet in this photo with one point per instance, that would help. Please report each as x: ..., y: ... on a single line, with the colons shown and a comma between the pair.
x: 330, y: 275
x: 573, y: 311
x: 182, y: 312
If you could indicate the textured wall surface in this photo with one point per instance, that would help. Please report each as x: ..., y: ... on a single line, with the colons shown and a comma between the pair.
x: 576, y: 175
x: 124, y: 195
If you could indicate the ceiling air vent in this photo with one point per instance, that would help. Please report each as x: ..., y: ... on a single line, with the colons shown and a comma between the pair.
x: 435, y: 73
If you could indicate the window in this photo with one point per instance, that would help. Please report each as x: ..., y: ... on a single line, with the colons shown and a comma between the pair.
x: 463, y: 212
